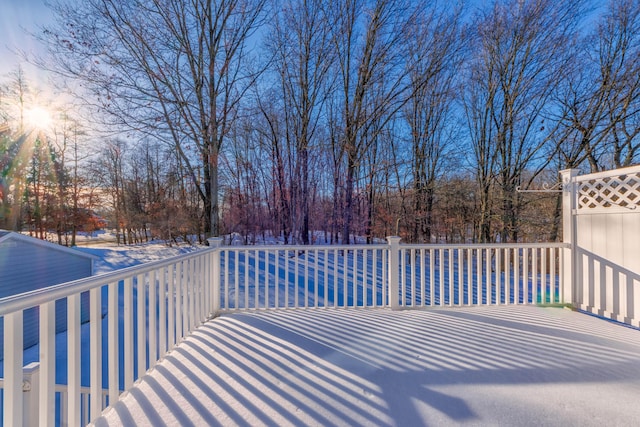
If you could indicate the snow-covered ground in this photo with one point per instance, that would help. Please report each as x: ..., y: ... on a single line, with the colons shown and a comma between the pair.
x: 477, y: 366
x: 112, y: 257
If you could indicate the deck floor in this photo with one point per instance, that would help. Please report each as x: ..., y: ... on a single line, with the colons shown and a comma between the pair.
x: 472, y: 366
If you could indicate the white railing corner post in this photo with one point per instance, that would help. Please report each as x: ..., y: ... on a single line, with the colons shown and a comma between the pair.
x: 394, y: 272
x: 215, y: 243
x: 31, y: 394
x: 569, y: 196
x: 13, y: 404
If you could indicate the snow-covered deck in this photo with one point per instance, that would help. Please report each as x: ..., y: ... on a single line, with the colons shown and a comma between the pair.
x: 508, y: 365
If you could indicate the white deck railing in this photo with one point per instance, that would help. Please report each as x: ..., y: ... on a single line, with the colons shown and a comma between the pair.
x: 504, y: 274
x: 127, y: 311
x: 140, y: 313
x: 266, y: 277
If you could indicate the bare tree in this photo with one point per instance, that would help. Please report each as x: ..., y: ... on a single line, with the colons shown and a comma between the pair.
x: 369, y: 42
x: 600, y: 97
x: 435, y: 53
x: 18, y: 146
x: 109, y: 170
x: 521, y: 50
x: 176, y: 69
x: 619, y: 53
x: 302, y: 58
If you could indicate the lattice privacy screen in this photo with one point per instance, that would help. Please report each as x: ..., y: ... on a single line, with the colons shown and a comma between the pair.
x: 621, y: 191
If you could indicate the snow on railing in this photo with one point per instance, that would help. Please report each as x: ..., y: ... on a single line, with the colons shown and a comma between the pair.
x: 136, y: 315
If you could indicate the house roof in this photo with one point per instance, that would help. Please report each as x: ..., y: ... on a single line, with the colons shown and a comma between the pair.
x: 11, y: 235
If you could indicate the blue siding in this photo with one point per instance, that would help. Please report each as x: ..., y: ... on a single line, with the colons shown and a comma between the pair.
x: 26, y: 266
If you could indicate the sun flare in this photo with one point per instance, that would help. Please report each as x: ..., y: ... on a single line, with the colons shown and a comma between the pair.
x: 38, y: 117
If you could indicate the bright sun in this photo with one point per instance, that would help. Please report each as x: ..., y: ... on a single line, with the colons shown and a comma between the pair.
x: 38, y: 117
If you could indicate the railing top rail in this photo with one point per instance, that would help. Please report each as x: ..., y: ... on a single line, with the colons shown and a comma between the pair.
x: 305, y: 247
x: 483, y: 245
x: 609, y: 173
x: 26, y: 300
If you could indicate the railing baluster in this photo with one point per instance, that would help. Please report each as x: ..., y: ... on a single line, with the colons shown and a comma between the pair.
x: 73, y: 360
x: 355, y: 268
x: 401, y: 285
x: 13, y: 396
x: 197, y: 293
x: 385, y: 273
x: 203, y: 286
x: 432, y: 277
x: 178, y: 304
x: 507, y: 276
x: 554, y: 296
x: 423, y: 278
x: 47, y: 363
x: 276, y: 273
x: 227, y: 283
x: 85, y: 408
x: 162, y: 315
x: 543, y: 276
x: 296, y: 279
x: 207, y: 264
x: 460, y: 286
x: 267, y: 280
x: 534, y: 276
x: 253, y: 281
x: 515, y: 274
x: 128, y: 332
x: 490, y: 274
x: 186, y: 298
x: 152, y: 318
x: 95, y: 346
x: 192, y: 286
x: 441, y: 300
x: 450, y: 265
x: 326, y: 279
x: 246, y: 278
x: 316, y: 278
x: 365, y: 280
x: 469, y: 269
x: 525, y: 276
x: 412, y: 260
x: 498, y: 276
x: 112, y: 339
x: 336, y: 263
x: 480, y: 252
x: 141, y: 325
x: 236, y: 280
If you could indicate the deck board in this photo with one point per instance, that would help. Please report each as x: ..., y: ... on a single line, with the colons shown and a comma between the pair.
x: 515, y: 365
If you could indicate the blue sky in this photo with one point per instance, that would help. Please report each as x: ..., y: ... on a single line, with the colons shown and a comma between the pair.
x: 16, y: 17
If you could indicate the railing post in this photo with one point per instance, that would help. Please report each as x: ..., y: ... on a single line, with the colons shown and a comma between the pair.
x: 31, y: 393
x: 394, y: 272
x: 216, y: 243
x: 569, y: 235
x: 13, y: 376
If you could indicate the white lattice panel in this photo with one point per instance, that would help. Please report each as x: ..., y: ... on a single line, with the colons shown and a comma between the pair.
x: 621, y: 192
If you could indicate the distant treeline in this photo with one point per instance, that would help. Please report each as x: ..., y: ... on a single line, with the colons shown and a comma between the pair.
x: 347, y: 117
